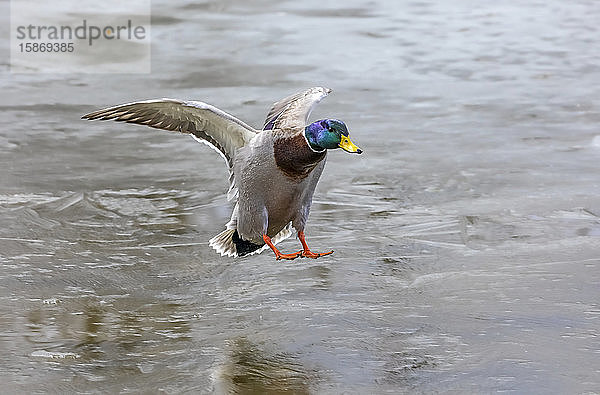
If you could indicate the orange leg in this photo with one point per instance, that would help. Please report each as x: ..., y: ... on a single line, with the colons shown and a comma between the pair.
x: 306, y: 252
x: 279, y: 255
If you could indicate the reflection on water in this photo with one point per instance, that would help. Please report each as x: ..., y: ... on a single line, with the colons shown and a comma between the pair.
x: 466, y: 237
x: 247, y: 370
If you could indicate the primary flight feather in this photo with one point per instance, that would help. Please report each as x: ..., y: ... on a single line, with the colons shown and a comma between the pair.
x: 273, y: 171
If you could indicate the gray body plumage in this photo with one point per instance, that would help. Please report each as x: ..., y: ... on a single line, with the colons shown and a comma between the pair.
x: 268, y: 200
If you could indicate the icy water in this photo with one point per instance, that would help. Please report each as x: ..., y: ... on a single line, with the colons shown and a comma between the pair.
x: 466, y: 237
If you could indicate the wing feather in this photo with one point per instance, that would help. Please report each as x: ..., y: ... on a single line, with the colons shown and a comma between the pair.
x: 206, y: 123
x: 293, y: 111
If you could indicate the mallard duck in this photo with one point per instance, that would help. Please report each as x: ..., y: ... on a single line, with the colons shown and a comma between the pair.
x: 273, y: 171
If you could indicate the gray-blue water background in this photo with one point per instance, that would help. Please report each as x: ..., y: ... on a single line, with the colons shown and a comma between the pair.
x: 466, y: 237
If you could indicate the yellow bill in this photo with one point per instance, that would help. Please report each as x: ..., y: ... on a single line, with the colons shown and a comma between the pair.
x: 349, y: 146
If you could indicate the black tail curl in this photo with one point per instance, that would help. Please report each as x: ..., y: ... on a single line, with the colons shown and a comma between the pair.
x: 243, y: 247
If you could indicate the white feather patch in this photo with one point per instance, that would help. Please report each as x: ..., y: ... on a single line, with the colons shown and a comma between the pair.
x: 224, y: 245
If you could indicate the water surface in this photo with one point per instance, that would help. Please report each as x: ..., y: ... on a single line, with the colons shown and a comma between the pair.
x: 466, y: 235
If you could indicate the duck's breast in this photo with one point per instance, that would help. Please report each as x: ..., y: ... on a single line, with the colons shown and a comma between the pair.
x: 272, y: 187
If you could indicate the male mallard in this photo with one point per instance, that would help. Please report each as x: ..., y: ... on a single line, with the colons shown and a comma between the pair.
x: 273, y: 172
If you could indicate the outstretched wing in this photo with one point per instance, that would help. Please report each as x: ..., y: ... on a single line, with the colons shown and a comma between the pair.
x: 293, y: 111
x: 206, y: 123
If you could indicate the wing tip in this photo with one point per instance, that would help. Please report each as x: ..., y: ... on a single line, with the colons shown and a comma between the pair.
x: 104, y: 113
x: 320, y: 89
x: 90, y: 116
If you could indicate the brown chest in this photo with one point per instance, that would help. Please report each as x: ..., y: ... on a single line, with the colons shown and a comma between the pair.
x: 294, y: 157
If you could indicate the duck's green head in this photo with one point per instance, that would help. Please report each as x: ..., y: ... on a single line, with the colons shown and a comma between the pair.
x: 329, y: 134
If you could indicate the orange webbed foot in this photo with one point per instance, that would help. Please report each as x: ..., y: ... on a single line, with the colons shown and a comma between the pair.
x: 314, y: 255
x: 306, y: 252
x: 289, y: 257
x: 278, y: 254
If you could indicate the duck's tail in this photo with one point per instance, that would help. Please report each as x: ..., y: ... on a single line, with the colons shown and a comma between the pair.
x: 229, y: 243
